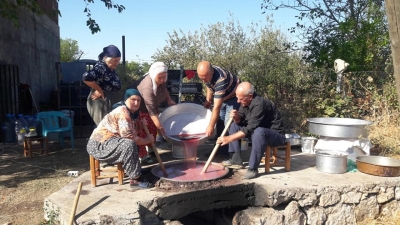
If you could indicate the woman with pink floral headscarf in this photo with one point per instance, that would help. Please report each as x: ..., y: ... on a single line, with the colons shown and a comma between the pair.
x: 153, y: 88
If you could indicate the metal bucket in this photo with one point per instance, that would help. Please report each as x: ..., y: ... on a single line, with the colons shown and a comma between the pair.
x: 307, y: 144
x: 177, y: 151
x: 331, y: 161
x: 185, y: 119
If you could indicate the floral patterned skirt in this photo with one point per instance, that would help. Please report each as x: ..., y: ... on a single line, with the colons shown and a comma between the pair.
x: 117, y: 150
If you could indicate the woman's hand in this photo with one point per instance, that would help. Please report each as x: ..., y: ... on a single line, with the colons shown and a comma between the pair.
x: 96, y: 95
x: 161, y: 131
x: 150, y: 138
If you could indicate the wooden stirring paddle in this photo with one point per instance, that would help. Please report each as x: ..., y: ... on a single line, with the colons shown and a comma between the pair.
x: 216, y: 147
x: 156, y: 153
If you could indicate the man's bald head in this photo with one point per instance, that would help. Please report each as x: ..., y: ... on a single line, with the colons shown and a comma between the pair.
x: 244, y: 88
x: 244, y: 93
x: 205, y: 71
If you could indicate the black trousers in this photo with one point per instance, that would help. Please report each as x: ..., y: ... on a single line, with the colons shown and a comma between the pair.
x: 260, y: 138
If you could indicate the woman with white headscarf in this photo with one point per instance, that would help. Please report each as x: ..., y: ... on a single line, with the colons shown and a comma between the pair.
x: 153, y: 88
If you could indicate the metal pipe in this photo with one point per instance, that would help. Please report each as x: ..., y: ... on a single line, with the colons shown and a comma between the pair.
x: 123, y: 50
x: 180, y: 85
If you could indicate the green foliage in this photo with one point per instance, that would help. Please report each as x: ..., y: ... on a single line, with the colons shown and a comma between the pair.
x: 335, y: 106
x: 257, y: 54
x: 131, y: 72
x: 355, y: 31
x: 222, y: 44
x: 51, y: 215
x: 91, y: 23
x: 69, y: 50
x: 10, y: 9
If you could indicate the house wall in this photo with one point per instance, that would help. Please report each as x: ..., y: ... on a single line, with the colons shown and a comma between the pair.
x: 34, y: 47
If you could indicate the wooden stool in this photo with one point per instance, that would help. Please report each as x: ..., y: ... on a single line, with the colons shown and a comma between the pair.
x: 28, y: 145
x: 275, y: 159
x: 111, y: 172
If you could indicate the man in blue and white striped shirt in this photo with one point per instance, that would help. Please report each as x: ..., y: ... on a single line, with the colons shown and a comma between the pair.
x: 221, y: 85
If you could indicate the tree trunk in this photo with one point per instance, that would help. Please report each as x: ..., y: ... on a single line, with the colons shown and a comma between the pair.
x: 393, y: 15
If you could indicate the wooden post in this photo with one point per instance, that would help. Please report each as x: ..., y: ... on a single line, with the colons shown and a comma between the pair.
x: 393, y: 17
x: 78, y: 193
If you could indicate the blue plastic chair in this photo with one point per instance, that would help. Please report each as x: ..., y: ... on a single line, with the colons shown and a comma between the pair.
x: 51, y: 123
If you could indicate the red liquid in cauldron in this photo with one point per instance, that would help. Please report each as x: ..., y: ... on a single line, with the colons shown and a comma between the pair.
x: 190, y: 143
x: 180, y: 172
x: 190, y: 169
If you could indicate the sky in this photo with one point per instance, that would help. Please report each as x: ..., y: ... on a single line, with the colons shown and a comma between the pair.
x: 146, y: 23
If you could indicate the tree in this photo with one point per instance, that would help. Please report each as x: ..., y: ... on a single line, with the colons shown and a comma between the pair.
x: 9, y: 10
x: 353, y: 30
x: 393, y: 15
x: 254, y: 55
x: 69, y: 50
x: 224, y: 45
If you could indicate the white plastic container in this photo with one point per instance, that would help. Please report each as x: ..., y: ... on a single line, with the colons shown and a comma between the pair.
x: 308, y: 144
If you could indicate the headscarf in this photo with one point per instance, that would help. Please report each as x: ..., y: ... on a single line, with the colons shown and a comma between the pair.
x: 155, y: 69
x: 128, y: 93
x: 110, y: 51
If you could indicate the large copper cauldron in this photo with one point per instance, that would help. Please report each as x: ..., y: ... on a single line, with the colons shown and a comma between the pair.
x: 378, y: 166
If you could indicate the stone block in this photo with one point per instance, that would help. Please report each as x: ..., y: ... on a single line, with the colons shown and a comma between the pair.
x: 351, y: 197
x: 386, y: 195
x: 293, y: 214
x: 330, y: 198
x: 258, y: 216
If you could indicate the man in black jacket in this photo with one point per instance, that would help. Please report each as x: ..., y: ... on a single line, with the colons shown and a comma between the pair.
x: 257, y: 119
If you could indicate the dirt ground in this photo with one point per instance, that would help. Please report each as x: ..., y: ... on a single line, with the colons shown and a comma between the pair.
x: 26, y: 182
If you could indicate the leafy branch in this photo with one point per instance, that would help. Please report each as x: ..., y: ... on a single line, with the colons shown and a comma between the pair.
x: 10, y: 9
x: 91, y: 23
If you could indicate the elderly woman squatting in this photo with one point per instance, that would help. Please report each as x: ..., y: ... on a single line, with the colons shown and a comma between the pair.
x: 116, y: 140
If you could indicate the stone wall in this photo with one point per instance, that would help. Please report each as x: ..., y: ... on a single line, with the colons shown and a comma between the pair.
x: 34, y: 47
x: 327, y: 205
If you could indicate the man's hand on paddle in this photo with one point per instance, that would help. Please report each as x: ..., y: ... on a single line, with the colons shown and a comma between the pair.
x: 234, y: 115
x: 223, y: 140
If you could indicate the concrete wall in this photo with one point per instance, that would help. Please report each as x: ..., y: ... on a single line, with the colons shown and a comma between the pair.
x: 34, y: 47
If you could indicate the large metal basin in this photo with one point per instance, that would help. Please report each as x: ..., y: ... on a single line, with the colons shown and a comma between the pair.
x: 339, y: 127
x: 379, y: 166
x: 185, y: 119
